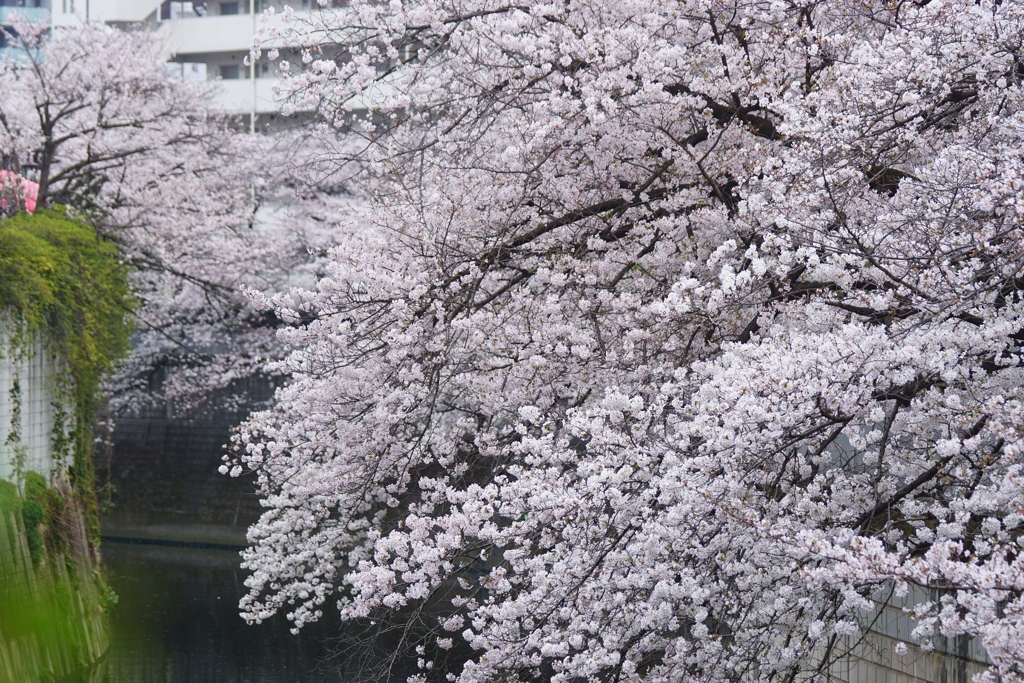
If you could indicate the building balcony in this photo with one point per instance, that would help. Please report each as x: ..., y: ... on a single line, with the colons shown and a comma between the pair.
x: 228, y: 33
x: 239, y: 97
x: 72, y: 12
x: 121, y: 11
x: 187, y: 32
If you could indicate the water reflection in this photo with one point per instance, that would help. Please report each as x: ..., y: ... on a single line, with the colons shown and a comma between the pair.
x: 176, y: 621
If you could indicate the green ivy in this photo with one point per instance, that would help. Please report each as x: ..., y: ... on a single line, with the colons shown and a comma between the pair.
x: 44, y: 515
x: 10, y: 501
x: 64, y: 285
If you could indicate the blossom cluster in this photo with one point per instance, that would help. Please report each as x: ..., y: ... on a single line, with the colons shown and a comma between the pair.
x: 675, y: 330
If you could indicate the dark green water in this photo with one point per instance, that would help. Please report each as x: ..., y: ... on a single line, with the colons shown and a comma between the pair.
x: 176, y: 621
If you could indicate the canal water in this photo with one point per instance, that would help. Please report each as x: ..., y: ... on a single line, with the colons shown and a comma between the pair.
x: 176, y: 621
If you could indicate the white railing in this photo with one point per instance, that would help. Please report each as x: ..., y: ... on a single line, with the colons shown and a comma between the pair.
x: 238, y: 96
x: 210, y: 34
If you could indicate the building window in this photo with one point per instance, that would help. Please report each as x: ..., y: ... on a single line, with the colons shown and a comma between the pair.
x: 229, y: 8
x: 229, y: 71
x: 186, y: 71
x: 8, y: 36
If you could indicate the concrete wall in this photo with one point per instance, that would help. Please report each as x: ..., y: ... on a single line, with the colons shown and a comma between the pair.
x: 33, y: 369
x: 41, y: 589
x: 52, y: 624
x: 163, y: 478
x: 873, y: 658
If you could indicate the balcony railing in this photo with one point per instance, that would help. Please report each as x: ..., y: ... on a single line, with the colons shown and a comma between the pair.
x: 197, y: 9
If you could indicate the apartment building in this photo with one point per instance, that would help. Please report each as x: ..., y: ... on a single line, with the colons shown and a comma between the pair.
x: 208, y: 41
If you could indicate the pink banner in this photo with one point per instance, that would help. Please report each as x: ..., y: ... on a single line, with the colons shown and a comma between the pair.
x: 29, y: 190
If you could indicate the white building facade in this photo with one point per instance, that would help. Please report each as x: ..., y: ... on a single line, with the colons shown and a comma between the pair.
x: 208, y: 41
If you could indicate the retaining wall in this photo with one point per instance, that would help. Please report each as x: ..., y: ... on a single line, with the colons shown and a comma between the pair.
x: 33, y: 370
x: 163, y: 478
x: 52, y: 623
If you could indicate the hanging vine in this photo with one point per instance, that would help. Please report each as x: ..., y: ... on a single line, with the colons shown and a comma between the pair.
x: 63, y: 285
x: 13, y: 443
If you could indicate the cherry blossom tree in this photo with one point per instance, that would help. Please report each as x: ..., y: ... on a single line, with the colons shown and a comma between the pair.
x: 92, y: 114
x: 676, y: 334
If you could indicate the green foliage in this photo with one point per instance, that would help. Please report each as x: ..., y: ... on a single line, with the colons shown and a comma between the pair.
x: 33, y: 514
x: 48, y: 621
x: 63, y: 284
x: 43, y: 512
x: 13, y: 441
x: 10, y: 501
x: 49, y: 606
x: 107, y: 596
x: 58, y: 277
x: 52, y: 614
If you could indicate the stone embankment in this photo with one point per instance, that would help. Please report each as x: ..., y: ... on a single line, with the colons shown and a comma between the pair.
x: 53, y: 601
x: 162, y: 482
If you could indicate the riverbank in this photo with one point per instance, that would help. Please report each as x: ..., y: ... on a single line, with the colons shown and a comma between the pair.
x: 195, y: 536
x: 52, y: 608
